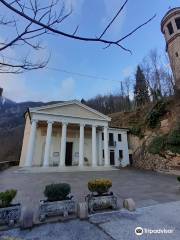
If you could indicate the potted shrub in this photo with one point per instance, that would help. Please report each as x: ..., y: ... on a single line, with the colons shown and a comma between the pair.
x: 100, y: 197
x: 9, y: 213
x: 58, y: 201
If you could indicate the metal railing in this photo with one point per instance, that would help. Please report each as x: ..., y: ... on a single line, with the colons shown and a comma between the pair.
x: 112, y: 143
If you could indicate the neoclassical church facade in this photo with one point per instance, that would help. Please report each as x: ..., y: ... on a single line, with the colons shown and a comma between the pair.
x: 72, y: 134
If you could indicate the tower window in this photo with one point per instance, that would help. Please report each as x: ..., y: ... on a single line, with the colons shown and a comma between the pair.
x: 177, y: 55
x: 170, y: 28
x: 177, y: 20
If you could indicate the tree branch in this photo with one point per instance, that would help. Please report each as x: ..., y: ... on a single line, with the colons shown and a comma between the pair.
x: 117, y: 14
x: 88, y: 39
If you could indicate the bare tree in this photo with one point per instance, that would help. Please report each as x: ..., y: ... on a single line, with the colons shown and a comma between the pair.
x: 32, y: 18
x: 158, y: 75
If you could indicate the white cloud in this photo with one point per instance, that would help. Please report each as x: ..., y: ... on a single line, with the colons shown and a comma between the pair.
x: 16, y: 88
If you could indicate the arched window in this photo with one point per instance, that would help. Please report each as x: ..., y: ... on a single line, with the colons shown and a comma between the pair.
x: 170, y: 28
x: 177, y: 20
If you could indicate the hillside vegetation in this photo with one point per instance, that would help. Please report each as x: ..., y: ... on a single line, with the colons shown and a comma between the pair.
x: 154, y: 134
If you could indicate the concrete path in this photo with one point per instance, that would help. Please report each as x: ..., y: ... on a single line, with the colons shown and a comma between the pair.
x: 111, y: 226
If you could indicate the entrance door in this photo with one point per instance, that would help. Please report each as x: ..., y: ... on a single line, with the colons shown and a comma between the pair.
x: 131, y: 159
x: 68, y: 160
x: 112, y: 157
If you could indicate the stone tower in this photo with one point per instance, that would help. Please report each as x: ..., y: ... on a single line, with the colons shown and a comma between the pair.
x: 170, y: 27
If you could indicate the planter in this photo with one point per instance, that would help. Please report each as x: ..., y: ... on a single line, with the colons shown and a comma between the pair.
x: 10, y: 215
x: 98, y: 202
x: 48, y: 209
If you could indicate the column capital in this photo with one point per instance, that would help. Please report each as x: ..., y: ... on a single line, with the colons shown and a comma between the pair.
x: 65, y: 123
x: 82, y: 124
x: 34, y: 121
x: 106, y: 127
x: 49, y: 122
x: 94, y: 125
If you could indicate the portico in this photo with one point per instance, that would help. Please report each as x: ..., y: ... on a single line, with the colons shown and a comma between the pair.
x: 65, y: 134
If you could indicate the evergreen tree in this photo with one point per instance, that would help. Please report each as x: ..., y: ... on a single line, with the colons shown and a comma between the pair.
x: 83, y: 101
x: 141, y: 94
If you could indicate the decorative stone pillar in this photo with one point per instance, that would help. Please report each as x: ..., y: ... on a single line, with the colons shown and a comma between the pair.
x: 47, y: 145
x: 63, y: 144
x: 106, y: 148
x: 100, y: 148
x: 81, y: 146
x: 94, y: 160
x: 30, y: 151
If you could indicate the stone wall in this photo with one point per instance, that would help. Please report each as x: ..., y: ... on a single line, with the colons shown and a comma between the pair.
x: 144, y: 160
x: 156, y: 162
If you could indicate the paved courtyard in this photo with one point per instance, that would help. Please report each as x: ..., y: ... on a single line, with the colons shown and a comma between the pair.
x: 159, y: 222
x: 157, y: 197
x: 145, y: 187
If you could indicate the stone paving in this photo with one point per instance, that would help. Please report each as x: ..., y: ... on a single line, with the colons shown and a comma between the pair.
x: 118, y: 225
x: 145, y: 187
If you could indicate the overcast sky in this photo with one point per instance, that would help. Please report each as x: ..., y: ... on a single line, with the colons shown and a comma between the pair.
x: 89, y: 58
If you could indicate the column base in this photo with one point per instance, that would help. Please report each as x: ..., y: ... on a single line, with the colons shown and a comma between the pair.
x: 45, y: 165
x: 28, y: 165
x: 62, y: 165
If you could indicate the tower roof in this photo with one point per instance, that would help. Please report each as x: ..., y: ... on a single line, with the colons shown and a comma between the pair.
x: 171, y: 12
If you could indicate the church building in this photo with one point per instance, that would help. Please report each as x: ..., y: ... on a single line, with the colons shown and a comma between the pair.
x: 72, y: 134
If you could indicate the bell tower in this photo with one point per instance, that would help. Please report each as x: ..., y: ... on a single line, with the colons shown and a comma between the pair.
x: 170, y: 27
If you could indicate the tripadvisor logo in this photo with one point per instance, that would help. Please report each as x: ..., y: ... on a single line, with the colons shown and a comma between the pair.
x: 138, y: 231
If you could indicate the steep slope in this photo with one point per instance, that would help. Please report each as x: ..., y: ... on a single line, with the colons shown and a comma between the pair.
x: 154, y: 134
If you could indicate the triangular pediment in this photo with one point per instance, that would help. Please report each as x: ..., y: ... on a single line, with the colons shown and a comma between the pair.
x: 71, y: 109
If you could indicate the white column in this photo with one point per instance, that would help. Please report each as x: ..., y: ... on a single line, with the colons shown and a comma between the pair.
x: 63, y: 144
x: 30, y: 151
x: 106, y: 148
x: 47, y: 145
x: 81, y: 146
x: 94, y: 160
x: 100, y: 147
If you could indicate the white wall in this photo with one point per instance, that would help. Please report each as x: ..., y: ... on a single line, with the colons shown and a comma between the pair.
x: 73, y: 136
x: 120, y: 145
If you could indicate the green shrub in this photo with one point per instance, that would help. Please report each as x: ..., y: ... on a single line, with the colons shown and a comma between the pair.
x: 99, y: 186
x: 178, y: 178
x: 173, y: 140
x: 136, y: 131
x: 153, y: 119
x: 157, y: 145
x: 57, y: 192
x: 173, y: 148
x: 154, y: 116
x: 174, y: 137
x: 7, y: 197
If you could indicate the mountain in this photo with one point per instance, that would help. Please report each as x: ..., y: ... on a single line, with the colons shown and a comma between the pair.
x: 12, y: 126
x: 12, y: 123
